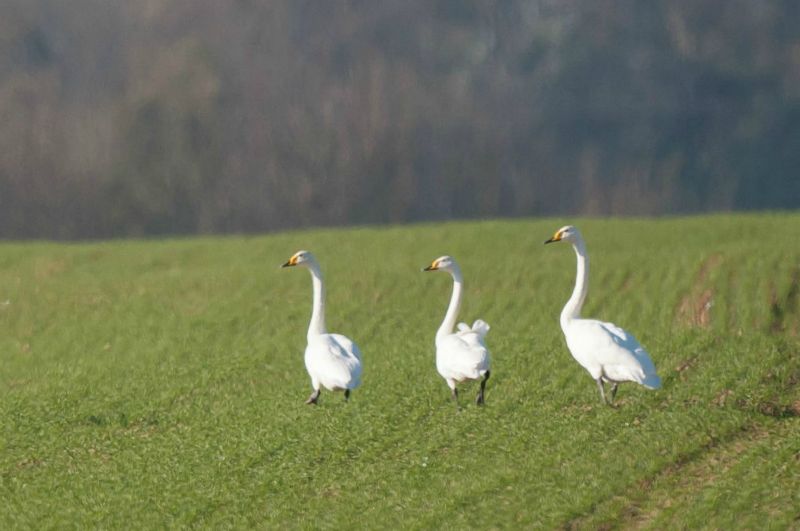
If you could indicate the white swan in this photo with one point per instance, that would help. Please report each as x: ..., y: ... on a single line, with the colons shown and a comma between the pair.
x: 332, y: 360
x: 463, y: 355
x: 608, y: 352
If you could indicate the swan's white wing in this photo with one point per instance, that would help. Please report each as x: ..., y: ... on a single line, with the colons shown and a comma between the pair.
x: 462, y: 356
x: 474, y: 335
x: 604, y: 348
x: 334, y: 361
x: 352, y: 358
x: 481, y: 327
x: 629, y: 343
x: 348, y: 346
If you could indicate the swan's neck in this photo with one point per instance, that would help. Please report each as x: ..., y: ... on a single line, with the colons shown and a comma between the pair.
x: 455, y: 303
x: 317, y: 325
x: 572, y: 310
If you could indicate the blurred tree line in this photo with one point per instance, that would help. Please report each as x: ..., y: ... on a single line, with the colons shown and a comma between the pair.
x: 197, y: 116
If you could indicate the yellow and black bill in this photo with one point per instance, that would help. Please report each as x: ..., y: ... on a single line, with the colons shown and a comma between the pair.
x: 556, y: 237
x: 433, y: 267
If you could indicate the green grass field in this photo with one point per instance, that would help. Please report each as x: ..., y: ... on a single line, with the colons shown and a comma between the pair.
x: 152, y: 384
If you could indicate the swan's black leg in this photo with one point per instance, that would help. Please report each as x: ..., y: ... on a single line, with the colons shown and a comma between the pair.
x: 454, y: 394
x: 346, y: 394
x: 480, y: 400
x: 614, y: 391
x: 313, y: 398
x: 602, y: 390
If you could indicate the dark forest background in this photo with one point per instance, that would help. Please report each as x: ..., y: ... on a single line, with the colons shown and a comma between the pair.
x: 150, y: 117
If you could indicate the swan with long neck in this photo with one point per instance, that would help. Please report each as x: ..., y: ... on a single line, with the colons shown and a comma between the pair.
x: 333, y: 361
x: 461, y: 355
x: 606, y: 351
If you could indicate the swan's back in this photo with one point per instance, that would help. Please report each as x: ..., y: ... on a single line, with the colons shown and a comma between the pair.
x: 335, y: 361
x: 606, y: 349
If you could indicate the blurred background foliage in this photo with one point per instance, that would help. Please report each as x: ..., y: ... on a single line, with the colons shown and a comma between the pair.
x: 153, y: 117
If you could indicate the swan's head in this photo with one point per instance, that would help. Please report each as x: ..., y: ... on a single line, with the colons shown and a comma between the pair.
x: 567, y: 233
x: 300, y: 258
x: 443, y: 263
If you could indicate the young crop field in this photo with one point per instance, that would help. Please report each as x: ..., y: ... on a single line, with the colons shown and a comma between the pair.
x: 152, y: 384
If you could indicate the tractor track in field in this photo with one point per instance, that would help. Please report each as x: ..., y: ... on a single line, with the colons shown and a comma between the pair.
x: 688, y: 475
x: 783, y: 309
x: 694, y: 310
x: 692, y: 471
